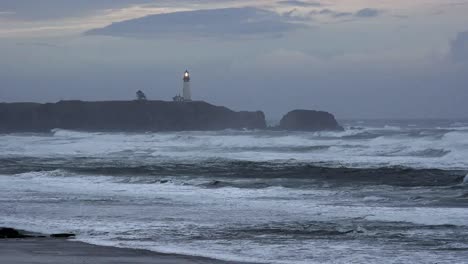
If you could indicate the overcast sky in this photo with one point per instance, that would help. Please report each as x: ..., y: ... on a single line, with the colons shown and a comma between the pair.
x: 354, y: 58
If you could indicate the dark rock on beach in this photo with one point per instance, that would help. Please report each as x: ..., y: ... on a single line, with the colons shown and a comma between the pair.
x: 11, y: 233
x: 124, y: 116
x: 6, y: 232
x: 62, y: 235
x: 309, y: 120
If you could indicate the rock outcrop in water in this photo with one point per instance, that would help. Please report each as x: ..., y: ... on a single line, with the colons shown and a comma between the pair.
x: 309, y: 120
x: 124, y: 116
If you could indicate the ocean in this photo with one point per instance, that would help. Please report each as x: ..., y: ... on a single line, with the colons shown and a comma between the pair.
x: 382, y: 191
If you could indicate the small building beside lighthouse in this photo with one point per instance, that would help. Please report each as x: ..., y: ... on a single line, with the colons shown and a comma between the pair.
x: 186, y: 90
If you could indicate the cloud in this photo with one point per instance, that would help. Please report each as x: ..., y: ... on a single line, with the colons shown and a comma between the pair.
x: 54, y: 9
x: 226, y: 22
x: 367, y: 12
x: 299, y: 3
x: 459, y: 48
x: 296, y: 15
x: 326, y: 11
x: 38, y: 44
x: 6, y: 13
x: 363, y: 13
x: 334, y: 13
x: 342, y: 14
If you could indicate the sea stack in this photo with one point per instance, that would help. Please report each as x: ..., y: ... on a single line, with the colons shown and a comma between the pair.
x: 309, y: 120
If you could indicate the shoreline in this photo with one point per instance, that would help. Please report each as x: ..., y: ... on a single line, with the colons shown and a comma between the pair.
x: 48, y: 250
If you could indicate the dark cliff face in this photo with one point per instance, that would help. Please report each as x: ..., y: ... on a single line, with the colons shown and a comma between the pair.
x: 309, y: 120
x: 124, y: 116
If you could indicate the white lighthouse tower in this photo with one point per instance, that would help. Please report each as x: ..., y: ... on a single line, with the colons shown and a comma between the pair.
x: 187, y: 93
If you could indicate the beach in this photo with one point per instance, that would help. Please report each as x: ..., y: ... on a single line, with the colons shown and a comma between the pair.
x: 59, y: 251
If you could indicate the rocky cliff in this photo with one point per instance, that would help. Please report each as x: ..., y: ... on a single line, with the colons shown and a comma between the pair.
x: 309, y: 120
x: 124, y: 116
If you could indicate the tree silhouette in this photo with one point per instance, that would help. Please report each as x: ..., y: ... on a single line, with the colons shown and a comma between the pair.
x: 141, y: 96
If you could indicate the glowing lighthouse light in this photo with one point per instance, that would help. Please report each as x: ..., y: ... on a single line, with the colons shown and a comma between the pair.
x: 186, y: 90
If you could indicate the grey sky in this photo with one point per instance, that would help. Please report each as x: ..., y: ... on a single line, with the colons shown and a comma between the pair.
x: 360, y: 58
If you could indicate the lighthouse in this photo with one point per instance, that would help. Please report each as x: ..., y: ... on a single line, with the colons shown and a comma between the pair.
x: 187, y: 93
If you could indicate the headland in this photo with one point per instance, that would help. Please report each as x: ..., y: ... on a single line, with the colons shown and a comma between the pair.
x: 148, y: 116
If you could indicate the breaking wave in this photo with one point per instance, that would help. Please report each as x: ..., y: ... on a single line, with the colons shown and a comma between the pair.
x: 387, y: 188
x: 392, y: 154
x: 223, y: 172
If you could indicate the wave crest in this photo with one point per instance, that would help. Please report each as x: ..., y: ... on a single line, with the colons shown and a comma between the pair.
x: 296, y: 173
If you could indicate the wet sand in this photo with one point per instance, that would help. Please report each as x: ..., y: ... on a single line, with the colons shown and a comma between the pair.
x: 59, y: 251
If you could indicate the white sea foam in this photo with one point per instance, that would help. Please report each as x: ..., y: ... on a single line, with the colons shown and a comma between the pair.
x: 394, y: 128
x: 143, y: 212
x: 385, y: 148
x: 374, y: 198
x: 169, y: 217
